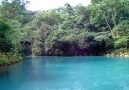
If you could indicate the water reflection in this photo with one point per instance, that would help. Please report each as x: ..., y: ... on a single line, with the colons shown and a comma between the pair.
x: 66, y: 73
x: 6, y: 70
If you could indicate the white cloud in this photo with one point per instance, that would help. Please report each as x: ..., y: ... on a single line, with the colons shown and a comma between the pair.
x: 50, y: 4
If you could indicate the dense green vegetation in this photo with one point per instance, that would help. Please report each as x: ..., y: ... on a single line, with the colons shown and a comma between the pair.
x: 97, y: 29
x: 12, y: 19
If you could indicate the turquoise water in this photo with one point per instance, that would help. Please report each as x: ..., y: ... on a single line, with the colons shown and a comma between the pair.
x: 67, y: 73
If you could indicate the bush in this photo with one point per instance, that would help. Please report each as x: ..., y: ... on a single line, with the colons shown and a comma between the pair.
x: 5, y: 46
x: 122, y: 42
x: 122, y: 29
x: 76, y: 42
x: 3, y: 61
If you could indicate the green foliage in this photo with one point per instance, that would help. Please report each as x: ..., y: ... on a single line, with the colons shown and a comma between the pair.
x: 53, y: 38
x: 120, y: 51
x: 68, y: 9
x: 96, y: 1
x: 120, y: 33
x: 40, y: 27
x: 4, y: 28
x: 64, y: 35
x: 122, y: 42
x: 84, y: 40
x: 10, y: 10
x: 5, y: 43
x: 5, y: 46
x: 13, y: 59
x: 107, y: 14
x: 122, y: 29
x: 10, y: 31
x: 3, y: 61
x: 15, y: 29
x: 79, y: 30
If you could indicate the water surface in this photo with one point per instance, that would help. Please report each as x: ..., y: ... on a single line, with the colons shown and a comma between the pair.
x: 67, y: 73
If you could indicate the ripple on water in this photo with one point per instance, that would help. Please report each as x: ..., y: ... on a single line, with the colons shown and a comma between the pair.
x: 71, y: 73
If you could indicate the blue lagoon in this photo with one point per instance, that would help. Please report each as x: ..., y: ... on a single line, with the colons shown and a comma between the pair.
x: 67, y: 73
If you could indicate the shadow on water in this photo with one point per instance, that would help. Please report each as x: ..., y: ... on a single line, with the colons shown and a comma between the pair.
x: 47, y: 67
x: 6, y: 70
x: 46, y: 60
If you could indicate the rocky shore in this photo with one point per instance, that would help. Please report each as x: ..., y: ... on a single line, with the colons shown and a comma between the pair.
x: 118, y: 54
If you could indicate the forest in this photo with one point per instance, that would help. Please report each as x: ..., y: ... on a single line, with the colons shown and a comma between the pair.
x: 97, y: 29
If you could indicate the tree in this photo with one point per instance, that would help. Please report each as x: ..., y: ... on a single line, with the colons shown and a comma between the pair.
x: 96, y: 1
x: 5, y: 43
x: 6, y: 46
x: 121, y: 32
x: 41, y: 26
x: 10, y: 10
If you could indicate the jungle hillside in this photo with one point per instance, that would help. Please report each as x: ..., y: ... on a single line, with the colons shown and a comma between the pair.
x: 97, y: 29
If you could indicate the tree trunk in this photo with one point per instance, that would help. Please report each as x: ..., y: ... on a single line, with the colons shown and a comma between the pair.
x: 109, y: 27
x: 113, y: 18
x: 126, y: 46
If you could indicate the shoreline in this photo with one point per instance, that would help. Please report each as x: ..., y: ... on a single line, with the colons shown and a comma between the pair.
x: 10, y: 63
x: 4, y: 61
x: 118, y: 54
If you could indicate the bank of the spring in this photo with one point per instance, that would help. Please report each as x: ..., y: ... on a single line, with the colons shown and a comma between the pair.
x: 8, y: 60
x: 123, y: 52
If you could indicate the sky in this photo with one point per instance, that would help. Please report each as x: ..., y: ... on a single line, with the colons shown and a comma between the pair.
x: 52, y: 4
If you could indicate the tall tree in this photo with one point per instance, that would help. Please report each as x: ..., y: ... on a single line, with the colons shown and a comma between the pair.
x: 10, y: 10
